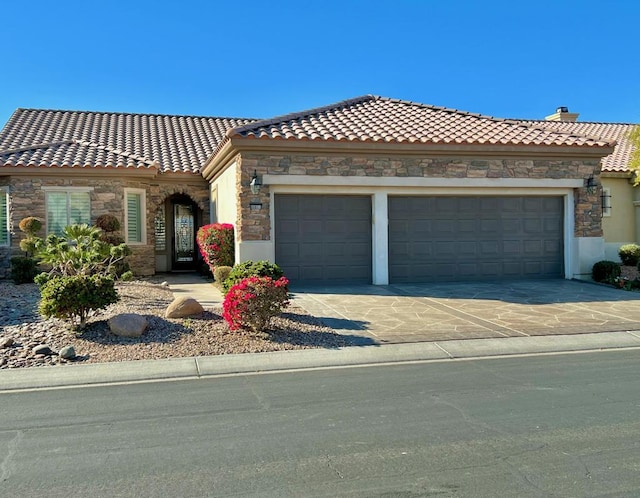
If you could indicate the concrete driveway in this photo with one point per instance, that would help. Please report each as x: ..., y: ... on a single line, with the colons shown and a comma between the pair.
x: 448, y: 311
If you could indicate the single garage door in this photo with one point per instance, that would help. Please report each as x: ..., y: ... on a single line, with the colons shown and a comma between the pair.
x: 436, y: 239
x: 323, y: 239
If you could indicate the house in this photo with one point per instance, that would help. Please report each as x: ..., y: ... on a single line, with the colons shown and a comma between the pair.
x: 371, y: 190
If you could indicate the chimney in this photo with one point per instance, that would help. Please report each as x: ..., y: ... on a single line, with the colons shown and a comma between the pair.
x: 562, y: 114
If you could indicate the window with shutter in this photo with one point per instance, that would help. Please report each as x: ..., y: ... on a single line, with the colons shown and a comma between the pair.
x: 4, y: 214
x: 135, y: 216
x: 66, y: 208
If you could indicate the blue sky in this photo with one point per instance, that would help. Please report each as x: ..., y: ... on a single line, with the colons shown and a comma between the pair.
x: 261, y: 59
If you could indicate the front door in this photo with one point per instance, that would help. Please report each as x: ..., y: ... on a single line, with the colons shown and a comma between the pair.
x: 184, y: 239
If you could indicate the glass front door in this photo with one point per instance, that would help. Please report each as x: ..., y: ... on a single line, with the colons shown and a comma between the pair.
x: 184, y: 254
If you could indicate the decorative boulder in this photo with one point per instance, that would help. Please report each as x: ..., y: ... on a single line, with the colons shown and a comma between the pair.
x: 183, y: 306
x: 6, y: 342
x: 128, y: 325
x: 43, y: 349
x: 67, y: 352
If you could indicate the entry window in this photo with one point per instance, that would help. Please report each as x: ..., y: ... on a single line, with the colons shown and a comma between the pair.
x: 67, y: 207
x: 4, y: 217
x: 135, y: 216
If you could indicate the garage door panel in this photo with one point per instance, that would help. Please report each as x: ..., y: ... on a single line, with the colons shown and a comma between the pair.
x: 332, y: 234
x: 475, y: 237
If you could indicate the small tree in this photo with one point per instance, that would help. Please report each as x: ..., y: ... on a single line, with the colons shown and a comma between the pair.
x: 217, y: 244
x: 25, y: 268
x: 81, y: 277
x: 30, y: 226
x: 80, y: 252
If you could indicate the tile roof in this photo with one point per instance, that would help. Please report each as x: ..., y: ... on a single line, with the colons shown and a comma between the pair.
x: 51, y: 138
x: 613, y: 163
x: 379, y: 119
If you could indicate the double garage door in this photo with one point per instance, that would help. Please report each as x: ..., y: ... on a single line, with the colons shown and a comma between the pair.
x: 326, y: 239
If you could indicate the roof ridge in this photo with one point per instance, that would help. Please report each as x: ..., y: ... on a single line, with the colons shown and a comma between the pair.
x: 75, y: 111
x: 295, y: 115
x: 611, y: 141
x: 116, y: 151
x: 442, y: 108
x: 36, y: 146
x: 582, y: 122
x: 516, y: 122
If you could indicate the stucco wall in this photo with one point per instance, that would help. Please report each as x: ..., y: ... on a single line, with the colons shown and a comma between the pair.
x: 621, y: 226
x: 224, y: 195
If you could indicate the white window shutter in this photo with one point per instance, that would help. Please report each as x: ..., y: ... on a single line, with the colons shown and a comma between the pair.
x: 134, y: 218
x: 4, y: 232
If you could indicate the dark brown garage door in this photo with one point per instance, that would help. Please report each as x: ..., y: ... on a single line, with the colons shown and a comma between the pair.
x: 435, y: 239
x: 323, y: 239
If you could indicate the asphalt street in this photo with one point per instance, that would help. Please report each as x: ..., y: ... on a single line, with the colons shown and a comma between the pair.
x: 555, y: 425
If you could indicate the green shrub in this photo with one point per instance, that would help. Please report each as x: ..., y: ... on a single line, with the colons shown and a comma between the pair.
x: 23, y: 269
x: 108, y: 223
x: 629, y: 254
x: 605, y: 271
x: 221, y: 273
x: 253, y: 301
x: 30, y: 225
x: 75, y: 297
x: 127, y: 276
x: 251, y: 269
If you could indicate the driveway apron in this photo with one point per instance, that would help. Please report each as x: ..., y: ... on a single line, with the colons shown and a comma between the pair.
x: 476, y: 310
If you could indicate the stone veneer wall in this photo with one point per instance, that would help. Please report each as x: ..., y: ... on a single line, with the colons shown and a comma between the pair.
x: 255, y: 225
x: 28, y: 199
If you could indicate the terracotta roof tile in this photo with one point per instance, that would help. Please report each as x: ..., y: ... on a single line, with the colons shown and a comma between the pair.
x: 616, y: 162
x: 50, y: 138
x: 378, y: 119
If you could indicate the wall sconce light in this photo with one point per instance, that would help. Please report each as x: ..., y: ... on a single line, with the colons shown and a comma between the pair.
x: 592, y: 186
x: 255, y: 206
x: 255, y: 183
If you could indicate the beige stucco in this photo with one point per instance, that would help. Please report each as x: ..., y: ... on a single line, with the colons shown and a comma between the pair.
x: 620, y: 227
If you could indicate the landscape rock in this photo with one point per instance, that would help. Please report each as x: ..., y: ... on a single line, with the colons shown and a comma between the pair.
x: 183, y: 306
x: 6, y: 342
x: 43, y: 349
x: 68, y: 353
x: 128, y: 325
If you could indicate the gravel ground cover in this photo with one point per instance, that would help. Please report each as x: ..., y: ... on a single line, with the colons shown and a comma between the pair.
x: 22, y: 330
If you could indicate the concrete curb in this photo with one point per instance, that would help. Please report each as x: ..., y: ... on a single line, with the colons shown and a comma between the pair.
x: 181, y: 368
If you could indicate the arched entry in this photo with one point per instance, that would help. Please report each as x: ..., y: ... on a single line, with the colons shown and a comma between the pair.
x: 176, y: 222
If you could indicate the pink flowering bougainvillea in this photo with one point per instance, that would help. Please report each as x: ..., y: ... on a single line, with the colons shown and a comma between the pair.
x: 216, y: 243
x: 252, y: 302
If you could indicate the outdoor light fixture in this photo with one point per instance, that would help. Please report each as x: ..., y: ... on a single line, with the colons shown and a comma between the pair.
x: 255, y: 184
x: 592, y: 186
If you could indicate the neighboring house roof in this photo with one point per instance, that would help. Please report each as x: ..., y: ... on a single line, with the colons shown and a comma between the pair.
x: 372, y: 118
x: 613, y: 163
x: 50, y: 138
